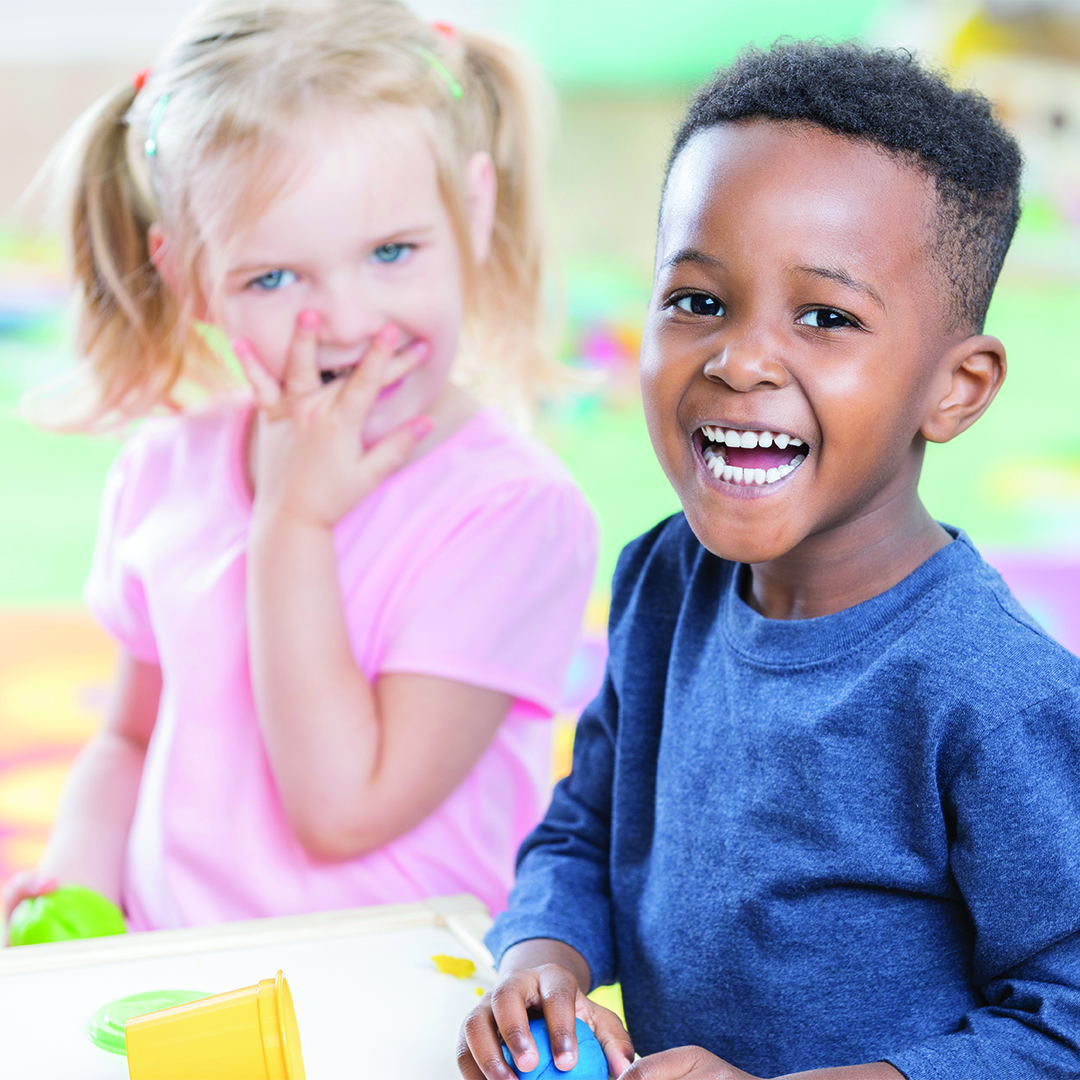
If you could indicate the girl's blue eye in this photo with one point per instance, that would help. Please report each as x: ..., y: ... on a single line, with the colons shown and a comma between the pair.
x: 274, y: 279
x: 824, y: 319
x: 700, y: 303
x: 392, y: 253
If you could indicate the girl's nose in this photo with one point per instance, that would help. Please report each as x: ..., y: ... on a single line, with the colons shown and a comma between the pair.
x: 746, y: 363
x: 348, y: 318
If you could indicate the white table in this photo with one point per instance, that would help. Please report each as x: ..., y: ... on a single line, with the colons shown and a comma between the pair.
x: 369, y: 1001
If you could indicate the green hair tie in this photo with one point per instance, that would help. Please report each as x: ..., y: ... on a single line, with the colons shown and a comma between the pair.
x: 442, y: 70
x: 152, y: 125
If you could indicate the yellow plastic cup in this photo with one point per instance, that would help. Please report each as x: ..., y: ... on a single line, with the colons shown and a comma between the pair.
x: 247, y: 1034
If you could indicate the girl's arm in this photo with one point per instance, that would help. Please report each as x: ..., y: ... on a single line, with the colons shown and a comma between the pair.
x: 88, y: 842
x: 356, y: 763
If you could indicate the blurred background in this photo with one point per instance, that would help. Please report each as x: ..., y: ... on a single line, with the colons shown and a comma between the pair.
x: 623, y: 70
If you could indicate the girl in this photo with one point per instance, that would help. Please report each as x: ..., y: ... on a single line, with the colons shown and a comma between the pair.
x: 345, y: 603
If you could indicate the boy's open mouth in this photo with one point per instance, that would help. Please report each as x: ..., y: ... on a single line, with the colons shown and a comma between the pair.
x: 750, y: 458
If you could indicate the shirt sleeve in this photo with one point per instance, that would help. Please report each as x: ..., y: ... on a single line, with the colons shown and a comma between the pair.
x: 499, y: 604
x: 114, y: 594
x: 562, y: 888
x: 1015, y: 808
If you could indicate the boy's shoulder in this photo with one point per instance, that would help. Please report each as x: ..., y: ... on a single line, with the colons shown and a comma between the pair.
x: 655, y: 570
x: 955, y: 608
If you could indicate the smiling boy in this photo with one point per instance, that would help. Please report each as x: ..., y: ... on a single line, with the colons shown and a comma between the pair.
x: 824, y: 816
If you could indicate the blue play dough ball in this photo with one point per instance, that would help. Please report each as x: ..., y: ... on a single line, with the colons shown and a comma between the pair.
x: 591, y: 1063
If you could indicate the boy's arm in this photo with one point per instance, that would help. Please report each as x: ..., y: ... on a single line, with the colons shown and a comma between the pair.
x: 1013, y: 811
x: 562, y: 886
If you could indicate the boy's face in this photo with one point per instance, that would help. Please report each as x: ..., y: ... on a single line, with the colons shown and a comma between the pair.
x: 796, y: 294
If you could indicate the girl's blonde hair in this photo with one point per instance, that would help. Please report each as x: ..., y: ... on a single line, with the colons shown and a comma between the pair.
x: 236, y: 76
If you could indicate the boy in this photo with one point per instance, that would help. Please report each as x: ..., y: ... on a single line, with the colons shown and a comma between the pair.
x: 824, y: 816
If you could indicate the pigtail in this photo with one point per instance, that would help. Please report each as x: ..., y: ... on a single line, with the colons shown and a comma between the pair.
x: 128, y: 325
x: 515, y: 310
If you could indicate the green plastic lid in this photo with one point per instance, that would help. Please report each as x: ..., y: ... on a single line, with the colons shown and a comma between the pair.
x: 106, y: 1027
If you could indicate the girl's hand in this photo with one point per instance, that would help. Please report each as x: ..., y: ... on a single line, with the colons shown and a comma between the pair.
x: 503, y: 1014
x: 310, y: 462
x: 684, y: 1063
x: 24, y: 885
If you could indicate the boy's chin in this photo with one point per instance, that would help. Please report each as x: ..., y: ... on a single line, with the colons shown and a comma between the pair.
x: 743, y: 544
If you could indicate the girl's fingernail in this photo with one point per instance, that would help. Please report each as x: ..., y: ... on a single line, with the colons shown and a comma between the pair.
x: 421, y: 426
x: 308, y: 319
x: 388, y: 335
x: 240, y: 347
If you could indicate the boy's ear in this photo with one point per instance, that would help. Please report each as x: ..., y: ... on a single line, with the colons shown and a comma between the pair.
x: 972, y: 372
x: 482, y: 190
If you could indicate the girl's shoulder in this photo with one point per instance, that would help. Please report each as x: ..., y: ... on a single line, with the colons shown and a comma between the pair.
x: 185, y: 448
x: 491, y: 450
x: 487, y: 462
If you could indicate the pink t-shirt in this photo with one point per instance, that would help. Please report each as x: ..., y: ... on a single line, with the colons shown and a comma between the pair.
x: 472, y: 563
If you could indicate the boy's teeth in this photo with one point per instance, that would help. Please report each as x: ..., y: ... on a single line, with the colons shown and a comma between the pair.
x: 720, y: 438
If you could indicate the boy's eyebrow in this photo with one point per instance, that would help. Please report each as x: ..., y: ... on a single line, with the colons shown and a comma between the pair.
x: 684, y: 255
x: 841, y: 277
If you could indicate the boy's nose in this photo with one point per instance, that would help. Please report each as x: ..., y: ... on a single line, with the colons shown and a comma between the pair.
x: 746, y: 364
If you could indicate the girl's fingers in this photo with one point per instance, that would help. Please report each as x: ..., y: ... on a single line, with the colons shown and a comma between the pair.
x: 400, y: 364
x: 301, y: 362
x: 364, y: 382
x: 390, y: 452
x: 264, y: 386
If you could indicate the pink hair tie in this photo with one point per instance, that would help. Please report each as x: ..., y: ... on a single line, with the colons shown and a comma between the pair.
x: 445, y: 29
x: 139, y: 79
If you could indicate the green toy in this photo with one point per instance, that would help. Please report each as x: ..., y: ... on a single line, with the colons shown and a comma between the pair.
x: 69, y: 912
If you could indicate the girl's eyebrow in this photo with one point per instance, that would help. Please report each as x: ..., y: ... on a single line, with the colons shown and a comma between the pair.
x: 841, y: 277
x: 417, y: 232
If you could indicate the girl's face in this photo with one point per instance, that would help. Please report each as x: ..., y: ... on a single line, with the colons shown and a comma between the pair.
x: 362, y: 237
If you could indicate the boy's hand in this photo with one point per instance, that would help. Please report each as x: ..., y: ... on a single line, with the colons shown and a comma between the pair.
x: 503, y: 1014
x: 684, y: 1063
x: 310, y: 460
x: 24, y: 885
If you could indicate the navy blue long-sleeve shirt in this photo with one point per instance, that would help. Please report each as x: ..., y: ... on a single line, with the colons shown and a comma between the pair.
x: 827, y: 841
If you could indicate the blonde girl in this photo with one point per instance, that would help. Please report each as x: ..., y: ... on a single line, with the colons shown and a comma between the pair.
x: 345, y: 601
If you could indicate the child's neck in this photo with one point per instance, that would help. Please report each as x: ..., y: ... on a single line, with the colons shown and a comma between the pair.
x: 858, y: 560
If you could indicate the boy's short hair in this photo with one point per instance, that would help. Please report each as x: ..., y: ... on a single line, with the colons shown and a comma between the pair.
x: 884, y: 97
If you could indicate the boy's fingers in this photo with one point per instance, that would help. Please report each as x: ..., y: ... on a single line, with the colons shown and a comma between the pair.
x: 683, y: 1063
x: 479, y: 1052
x: 301, y: 363
x: 558, y: 996
x: 508, y: 1007
x: 612, y: 1036
x: 264, y: 386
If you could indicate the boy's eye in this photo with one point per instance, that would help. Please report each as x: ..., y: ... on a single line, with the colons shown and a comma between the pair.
x: 825, y: 319
x: 274, y: 279
x: 699, y: 303
x: 391, y: 253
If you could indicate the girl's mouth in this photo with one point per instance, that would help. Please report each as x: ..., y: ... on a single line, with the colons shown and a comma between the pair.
x: 328, y: 375
x: 749, y: 458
